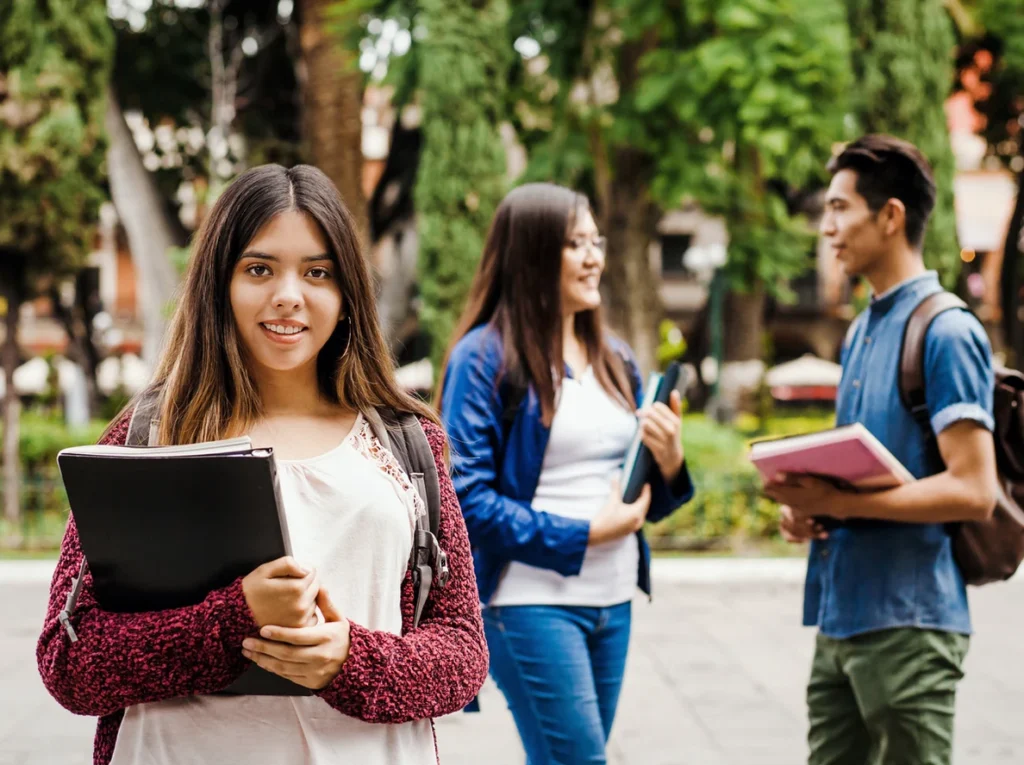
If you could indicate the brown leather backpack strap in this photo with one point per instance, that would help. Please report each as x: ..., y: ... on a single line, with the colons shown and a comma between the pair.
x: 911, y: 371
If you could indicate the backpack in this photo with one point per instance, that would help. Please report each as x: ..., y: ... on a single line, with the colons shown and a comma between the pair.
x: 400, y: 433
x: 990, y: 550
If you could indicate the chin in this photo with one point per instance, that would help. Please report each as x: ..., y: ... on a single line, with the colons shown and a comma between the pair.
x: 586, y: 302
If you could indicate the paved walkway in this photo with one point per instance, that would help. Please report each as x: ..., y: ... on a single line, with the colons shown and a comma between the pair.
x: 715, y: 677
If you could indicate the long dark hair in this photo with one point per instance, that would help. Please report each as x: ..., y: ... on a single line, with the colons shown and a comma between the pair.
x: 207, y: 387
x: 517, y: 289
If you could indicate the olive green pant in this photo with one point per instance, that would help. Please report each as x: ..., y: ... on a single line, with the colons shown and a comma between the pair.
x: 884, y: 698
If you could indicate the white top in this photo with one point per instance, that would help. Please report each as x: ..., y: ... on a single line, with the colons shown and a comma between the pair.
x: 355, y: 526
x: 590, y: 435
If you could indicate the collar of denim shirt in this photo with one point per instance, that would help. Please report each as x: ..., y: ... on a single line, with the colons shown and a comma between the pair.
x: 908, y: 288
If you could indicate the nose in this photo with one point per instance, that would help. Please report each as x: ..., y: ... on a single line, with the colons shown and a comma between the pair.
x: 593, y: 254
x: 287, y: 293
x: 828, y: 224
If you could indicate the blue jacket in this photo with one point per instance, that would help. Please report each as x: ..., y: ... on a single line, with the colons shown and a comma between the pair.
x: 496, y: 473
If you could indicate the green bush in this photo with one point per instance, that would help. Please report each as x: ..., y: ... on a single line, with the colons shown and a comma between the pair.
x: 42, y: 438
x: 44, y: 502
x: 727, y: 507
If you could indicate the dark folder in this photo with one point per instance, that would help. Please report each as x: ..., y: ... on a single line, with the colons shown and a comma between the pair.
x: 161, y: 528
x: 639, y: 460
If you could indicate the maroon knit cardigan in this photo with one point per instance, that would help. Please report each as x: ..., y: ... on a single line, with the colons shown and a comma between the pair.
x: 125, y: 659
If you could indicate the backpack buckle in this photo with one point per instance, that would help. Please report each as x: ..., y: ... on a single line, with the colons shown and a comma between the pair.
x: 438, y: 560
x: 441, y: 567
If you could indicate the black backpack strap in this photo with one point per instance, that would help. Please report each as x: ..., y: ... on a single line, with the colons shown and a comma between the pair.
x: 402, y: 434
x: 142, y: 427
x: 911, y: 370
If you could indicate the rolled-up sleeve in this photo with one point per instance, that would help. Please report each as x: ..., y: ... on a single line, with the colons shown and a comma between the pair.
x: 958, y: 371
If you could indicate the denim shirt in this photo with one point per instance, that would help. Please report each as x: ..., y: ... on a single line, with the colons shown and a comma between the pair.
x: 875, y: 575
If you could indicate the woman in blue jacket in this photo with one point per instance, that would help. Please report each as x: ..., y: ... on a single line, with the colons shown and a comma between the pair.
x: 539, y: 402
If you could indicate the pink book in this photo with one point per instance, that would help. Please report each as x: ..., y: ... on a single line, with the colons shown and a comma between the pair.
x: 849, y: 455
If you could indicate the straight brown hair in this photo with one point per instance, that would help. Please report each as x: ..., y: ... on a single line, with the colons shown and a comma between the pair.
x: 517, y: 289
x: 207, y: 388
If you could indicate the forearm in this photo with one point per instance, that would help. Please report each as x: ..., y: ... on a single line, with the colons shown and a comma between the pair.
x: 119, y: 659
x: 520, y: 533
x: 941, y: 498
x: 432, y: 671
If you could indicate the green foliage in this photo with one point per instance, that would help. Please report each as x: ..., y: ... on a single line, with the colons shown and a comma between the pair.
x: 43, y: 499
x: 759, y: 99
x: 55, y: 60
x: 461, y: 177
x: 736, y: 103
x: 903, y: 61
x: 41, y: 438
x: 728, y: 506
x: 671, y: 345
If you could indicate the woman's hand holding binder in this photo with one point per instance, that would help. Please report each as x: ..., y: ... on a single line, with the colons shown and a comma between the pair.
x: 617, y: 518
x: 282, y: 592
x: 661, y: 428
x: 309, y: 656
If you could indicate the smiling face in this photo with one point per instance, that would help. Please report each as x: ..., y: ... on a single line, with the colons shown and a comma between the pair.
x: 858, y: 236
x: 284, y: 294
x: 583, y: 258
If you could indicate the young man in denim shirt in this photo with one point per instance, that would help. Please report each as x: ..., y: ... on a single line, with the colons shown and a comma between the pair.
x: 882, y: 585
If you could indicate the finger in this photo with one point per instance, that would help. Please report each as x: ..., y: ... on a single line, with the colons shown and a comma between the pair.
x: 653, y: 436
x: 644, y: 498
x: 291, y: 586
x: 327, y: 607
x: 278, y: 667
x: 299, y: 636
x: 663, y: 413
x: 675, y: 402
x: 284, y: 567
x: 284, y: 652
x: 665, y: 423
x: 307, y: 601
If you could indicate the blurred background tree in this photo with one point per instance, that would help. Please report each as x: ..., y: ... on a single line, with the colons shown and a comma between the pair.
x: 462, y: 63
x: 646, y: 105
x: 903, y: 64
x: 55, y: 62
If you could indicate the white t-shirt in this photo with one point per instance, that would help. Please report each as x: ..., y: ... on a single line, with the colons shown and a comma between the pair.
x: 590, y: 434
x: 355, y: 525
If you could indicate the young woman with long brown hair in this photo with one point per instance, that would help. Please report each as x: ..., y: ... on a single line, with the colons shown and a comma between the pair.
x: 539, y: 401
x: 275, y: 336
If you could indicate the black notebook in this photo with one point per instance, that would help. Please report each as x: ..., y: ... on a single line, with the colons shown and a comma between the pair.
x: 162, y: 527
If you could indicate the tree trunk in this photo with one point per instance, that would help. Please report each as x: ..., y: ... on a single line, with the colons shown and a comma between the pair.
x: 628, y: 219
x: 744, y: 324
x: 333, y: 106
x: 150, y: 235
x: 634, y: 305
x: 77, y: 323
x: 12, y: 284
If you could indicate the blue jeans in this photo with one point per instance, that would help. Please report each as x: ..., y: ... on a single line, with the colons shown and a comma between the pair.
x: 560, y: 668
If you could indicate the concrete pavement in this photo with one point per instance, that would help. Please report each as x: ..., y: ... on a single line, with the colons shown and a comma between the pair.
x: 715, y: 677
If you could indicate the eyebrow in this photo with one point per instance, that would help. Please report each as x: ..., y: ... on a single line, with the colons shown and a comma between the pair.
x: 275, y: 259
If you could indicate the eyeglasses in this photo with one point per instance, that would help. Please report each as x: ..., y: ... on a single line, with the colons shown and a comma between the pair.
x: 579, y: 243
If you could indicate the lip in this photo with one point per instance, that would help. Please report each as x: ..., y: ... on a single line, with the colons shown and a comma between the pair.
x: 283, y: 339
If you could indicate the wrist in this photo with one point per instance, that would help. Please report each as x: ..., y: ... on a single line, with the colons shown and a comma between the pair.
x: 598, y: 533
x: 670, y: 468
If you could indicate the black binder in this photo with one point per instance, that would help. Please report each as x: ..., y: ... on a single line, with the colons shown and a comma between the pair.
x: 161, y: 527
